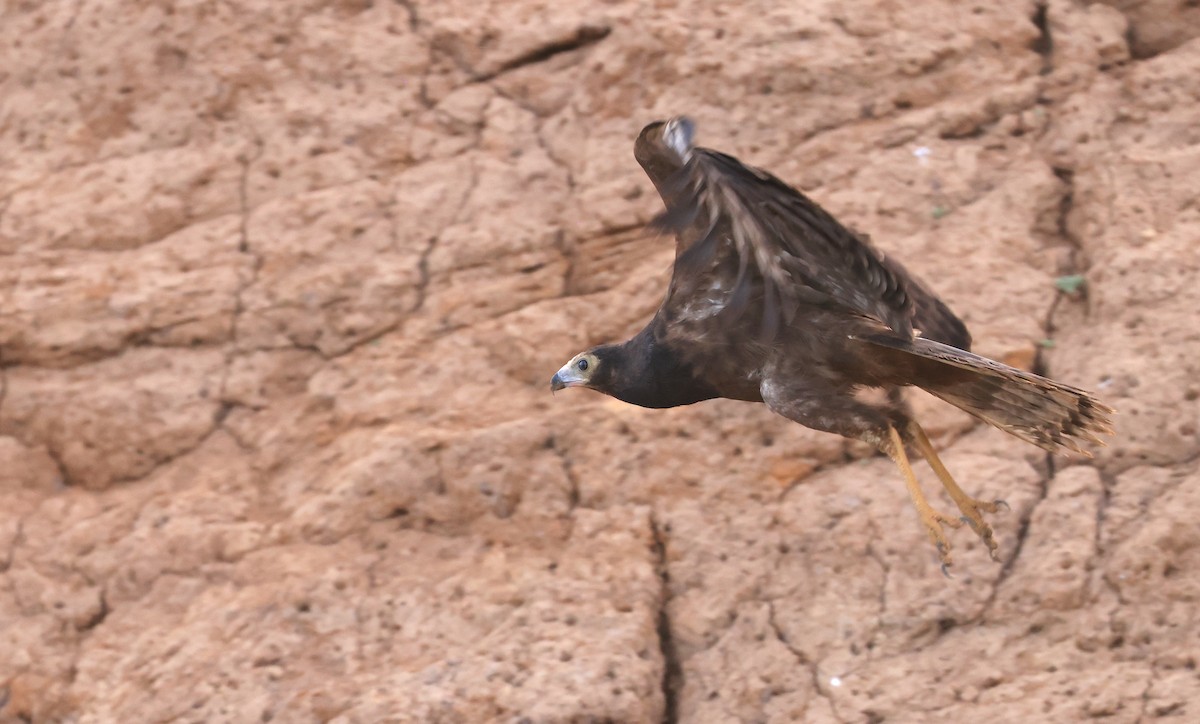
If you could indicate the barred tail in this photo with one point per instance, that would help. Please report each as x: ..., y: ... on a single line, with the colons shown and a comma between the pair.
x: 1048, y: 414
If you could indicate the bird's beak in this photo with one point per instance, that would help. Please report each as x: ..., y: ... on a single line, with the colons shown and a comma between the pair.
x: 568, y: 376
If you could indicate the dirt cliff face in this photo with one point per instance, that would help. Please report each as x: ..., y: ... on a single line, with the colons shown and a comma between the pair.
x: 282, y: 287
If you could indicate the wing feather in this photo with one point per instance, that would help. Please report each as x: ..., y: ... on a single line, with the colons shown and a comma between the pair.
x: 788, y: 251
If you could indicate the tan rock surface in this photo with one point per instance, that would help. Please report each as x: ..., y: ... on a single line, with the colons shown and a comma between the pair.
x: 281, y: 286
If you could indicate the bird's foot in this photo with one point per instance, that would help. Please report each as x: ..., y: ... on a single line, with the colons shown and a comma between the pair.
x: 973, y: 511
x: 933, y: 522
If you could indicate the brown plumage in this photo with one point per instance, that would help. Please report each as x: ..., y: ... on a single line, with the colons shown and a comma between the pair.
x: 772, y: 300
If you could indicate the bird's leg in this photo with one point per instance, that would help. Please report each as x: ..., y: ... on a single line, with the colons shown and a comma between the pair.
x: 930, y: 518
x: 971, y: 508
x: 837, y: 411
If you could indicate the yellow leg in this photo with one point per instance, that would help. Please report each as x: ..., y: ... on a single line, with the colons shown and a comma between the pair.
x: 971, y: 508
x: 930, y: 518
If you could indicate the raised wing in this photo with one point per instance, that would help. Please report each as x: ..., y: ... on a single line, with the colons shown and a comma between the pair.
x: 745, y: 236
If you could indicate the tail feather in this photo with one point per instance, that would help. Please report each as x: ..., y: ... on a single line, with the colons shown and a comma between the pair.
x: 1040, y: 411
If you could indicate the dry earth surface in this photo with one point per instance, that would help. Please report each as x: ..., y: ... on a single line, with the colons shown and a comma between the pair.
x: 282, y: 286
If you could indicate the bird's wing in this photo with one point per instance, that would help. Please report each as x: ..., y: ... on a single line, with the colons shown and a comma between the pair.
x: 930, y: 314
x: 747, y: 232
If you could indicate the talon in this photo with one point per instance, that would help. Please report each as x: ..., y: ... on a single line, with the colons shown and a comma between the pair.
x: 943, y: 549
x: 946, y: 571
x: 993, y: 555
x: 931, y: 519
x: 972, y: 510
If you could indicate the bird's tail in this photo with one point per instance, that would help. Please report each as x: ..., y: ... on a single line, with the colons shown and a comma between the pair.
x: 1048, y: 414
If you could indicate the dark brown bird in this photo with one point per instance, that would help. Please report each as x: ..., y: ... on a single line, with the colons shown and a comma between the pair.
x: 772, y: 300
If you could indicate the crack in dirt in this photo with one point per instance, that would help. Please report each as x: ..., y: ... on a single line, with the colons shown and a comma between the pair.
x: 353, y: 346
x: 1043, y: 44
x: 1180, y: 472
x: 569, y: 471
x: 422, y: 269
x: 218, y: 420
x: 3, y: 383
x: 423, y: 274
x: 1107, y: 483
x: 414, y: 19
x: 883, y: 586
x: 239, y: 306
x: 672, y: 678
x: 565, y: 245
x: 1145, y: 696
x: 803, y: 660
x: 56, y: 457
x: 5, y: 201
x: 1009, y: 563
x: 1041, y: 367
x: 424, y: 277
x: 820, y: 467
x: 17, y: 539
x: 583, y: 37
x: 97, y: 618
x: 570, y: 254
x: 782, y: 638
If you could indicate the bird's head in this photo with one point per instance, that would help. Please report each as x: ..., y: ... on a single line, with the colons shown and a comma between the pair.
x: 594, y: 369
x: 640, y: 371
x: 663, y: 147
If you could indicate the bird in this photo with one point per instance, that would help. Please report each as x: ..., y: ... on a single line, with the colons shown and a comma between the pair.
x: 773, y: 300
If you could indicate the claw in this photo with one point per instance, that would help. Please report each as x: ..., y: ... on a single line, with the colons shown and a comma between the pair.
x: 972, y: 510
x: 943, y: 549
x: 946, y: 571
x: 931, y: 519
x: 993, y: 555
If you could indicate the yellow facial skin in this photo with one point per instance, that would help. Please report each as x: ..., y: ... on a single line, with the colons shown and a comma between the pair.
x: 576, y: 373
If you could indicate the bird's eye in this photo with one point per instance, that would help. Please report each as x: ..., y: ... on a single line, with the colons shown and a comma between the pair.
x: 582, y: 365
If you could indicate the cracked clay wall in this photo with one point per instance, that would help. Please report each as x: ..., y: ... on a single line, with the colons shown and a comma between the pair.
x: 282, y: 285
